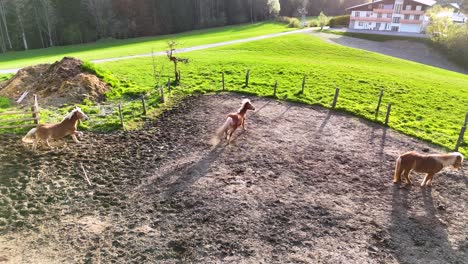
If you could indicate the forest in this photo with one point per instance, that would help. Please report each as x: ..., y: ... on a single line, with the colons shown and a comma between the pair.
x: 32, y: 24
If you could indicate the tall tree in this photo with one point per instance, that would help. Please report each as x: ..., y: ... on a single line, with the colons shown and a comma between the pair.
x: 19, y: 8
x: 46, y: 16
x: 3, y: 15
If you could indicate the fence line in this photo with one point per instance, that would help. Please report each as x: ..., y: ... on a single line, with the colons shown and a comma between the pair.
x: 34, y: 112
x: 118, y: 107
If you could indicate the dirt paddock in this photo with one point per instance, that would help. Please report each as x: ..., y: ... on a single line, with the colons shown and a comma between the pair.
x: 301, y: 185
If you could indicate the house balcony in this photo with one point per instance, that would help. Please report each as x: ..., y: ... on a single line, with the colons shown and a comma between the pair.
x: 372, y: 19
x: 412, y: 12
x: 410, y: 21
x: 383, y: 11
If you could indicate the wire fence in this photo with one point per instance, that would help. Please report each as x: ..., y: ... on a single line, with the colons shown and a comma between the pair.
x: 113, y: 114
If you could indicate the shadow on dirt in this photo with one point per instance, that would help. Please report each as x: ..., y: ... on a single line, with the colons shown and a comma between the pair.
x: 422, y: 237
x: 191, y: 174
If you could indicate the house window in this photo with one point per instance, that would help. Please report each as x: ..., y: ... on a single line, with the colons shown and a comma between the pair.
x: 418, y: 8
x: 389, y: 15
x: 368, y: 14
x: 377, y: 26
x: 396, y: 20
x: 357, y: 14
x: 381, y: 6
x: 379, y: 15
x: 397, y: 8
x: 417, y: 17
x: 408, y: 7
x: 361, y: 24
x: 406, y: 17
x: 394, y: 28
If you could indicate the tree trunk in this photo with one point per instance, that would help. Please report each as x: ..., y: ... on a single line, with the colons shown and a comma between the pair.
x: 3, y: 16
x: 23, y: 34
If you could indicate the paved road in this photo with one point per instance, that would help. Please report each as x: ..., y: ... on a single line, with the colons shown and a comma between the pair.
x: 201, y: 47
x: 403, y: 49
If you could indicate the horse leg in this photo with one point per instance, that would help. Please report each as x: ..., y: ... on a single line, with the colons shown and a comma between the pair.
x: 230, y: 134
x: 75, y: 139
x: 429, y: 180
x: 397, y: 176
x: 243, y: 124
x: 47, y: 143
x: 36, y: 140
x: 407, y: 178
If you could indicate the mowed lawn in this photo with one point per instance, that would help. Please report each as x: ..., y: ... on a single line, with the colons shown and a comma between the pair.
x: 428, y: 103
x: 118, y: 48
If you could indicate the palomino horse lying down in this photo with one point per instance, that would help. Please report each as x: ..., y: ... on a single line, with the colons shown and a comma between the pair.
x: 233, y: 121
x: 429, y: 164
x: 67, y: 127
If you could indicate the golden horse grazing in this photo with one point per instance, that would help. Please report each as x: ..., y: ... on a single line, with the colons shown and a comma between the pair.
x: 233, y: 121
x: 429, y: 164
x: 67, y: 127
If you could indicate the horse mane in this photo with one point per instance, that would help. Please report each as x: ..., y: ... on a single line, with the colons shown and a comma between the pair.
x: 244, y: 102
x: 458, y: 154
x: 70, y: 115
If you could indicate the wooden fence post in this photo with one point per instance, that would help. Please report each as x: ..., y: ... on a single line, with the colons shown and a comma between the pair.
x: 274, y: 89
x: 380, y: 101
x: 389, y: 108
x: 161, y: 93
x: 303, y: 83
x: 222, y: 79
x: 121, y: 116
x: 247, y: 78
x: 35, y: 110
x: 460, y: 137
x: 335, y: 99
x: 143, y: 103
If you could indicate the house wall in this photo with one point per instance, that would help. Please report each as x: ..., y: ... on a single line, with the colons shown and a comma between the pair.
x: 373, y: 18
x: 410, y: 28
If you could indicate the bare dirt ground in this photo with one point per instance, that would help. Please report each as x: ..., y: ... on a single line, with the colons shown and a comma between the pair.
x: 301, y: 185
x: 403, y: 49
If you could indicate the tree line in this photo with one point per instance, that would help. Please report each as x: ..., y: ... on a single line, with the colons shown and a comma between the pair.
x: 31, y: 24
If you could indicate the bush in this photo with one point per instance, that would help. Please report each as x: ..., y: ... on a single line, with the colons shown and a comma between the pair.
x: 294, y: 23
x: 283, y: 19
x: 339, y: 21
x: 314, y: 23
x: 4, y: 102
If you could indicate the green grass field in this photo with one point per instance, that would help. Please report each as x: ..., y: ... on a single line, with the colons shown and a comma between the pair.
x: 127, y: 47
x: 428, y: 103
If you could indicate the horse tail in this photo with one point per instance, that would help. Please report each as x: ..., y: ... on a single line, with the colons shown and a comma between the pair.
x: 397, y: 174
x: 28, y: 136
x: 219, y: 133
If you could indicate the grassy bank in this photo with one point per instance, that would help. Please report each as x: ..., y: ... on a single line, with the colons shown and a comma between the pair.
x: 428, y: 103
x: 118, y: 48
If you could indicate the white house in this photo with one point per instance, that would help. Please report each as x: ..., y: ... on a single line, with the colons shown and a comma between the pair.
x: 455, y: 13
x: 391, y: 15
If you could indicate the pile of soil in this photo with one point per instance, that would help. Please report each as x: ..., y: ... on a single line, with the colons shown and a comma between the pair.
x: 301, y: 185
x: 64, y: 82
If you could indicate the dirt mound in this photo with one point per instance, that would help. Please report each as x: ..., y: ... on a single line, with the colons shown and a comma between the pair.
x: 63, y: 82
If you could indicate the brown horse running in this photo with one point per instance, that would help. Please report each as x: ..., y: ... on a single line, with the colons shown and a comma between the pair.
x: 233, y: 121
x: 429, y: 164
x: 67, y: 127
